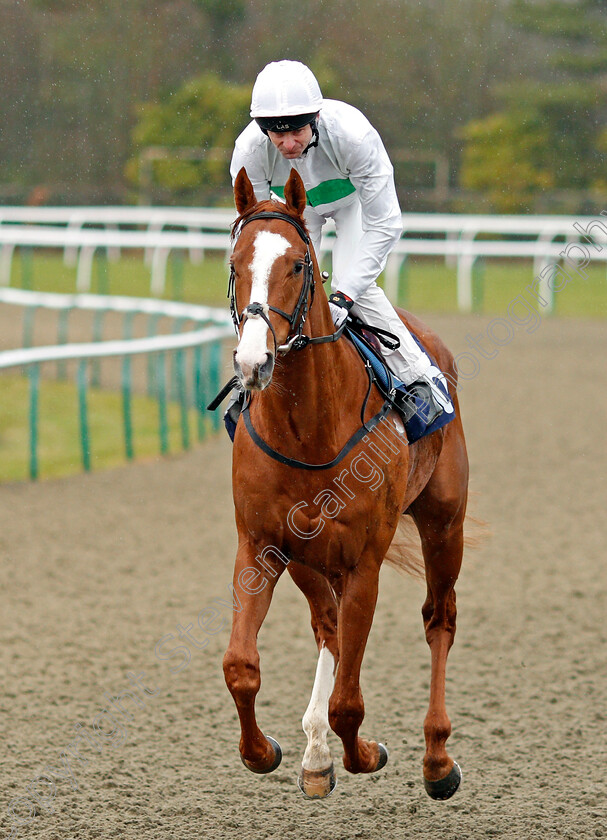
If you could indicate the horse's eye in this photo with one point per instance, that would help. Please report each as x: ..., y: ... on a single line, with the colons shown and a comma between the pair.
x: 298, y: 268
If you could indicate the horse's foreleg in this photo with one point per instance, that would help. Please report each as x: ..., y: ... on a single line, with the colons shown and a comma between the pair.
x: 346, y: 707
x: 241, y: 661
x: 317, y: 778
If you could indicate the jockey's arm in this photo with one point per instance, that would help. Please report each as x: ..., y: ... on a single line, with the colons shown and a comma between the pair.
x: 371, y: 173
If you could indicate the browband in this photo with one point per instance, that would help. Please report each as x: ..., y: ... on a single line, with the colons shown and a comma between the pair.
x: 283, y: 217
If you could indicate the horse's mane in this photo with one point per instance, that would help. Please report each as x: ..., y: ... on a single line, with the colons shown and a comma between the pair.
x: 268, y: 205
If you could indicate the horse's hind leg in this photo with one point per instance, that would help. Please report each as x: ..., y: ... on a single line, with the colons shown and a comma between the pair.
x: 317, y: 778
x: 439, y: 514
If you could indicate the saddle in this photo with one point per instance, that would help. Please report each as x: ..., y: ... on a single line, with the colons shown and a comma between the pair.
x: 412, y: 402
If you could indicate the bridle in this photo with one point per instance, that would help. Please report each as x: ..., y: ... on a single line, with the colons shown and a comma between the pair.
x: 296, y: 340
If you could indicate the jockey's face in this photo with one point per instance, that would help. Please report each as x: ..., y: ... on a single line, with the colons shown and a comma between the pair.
x: 291, y: 144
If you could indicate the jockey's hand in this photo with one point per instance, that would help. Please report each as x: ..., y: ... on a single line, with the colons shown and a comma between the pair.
x: 338, y: 313
x: 340, y: 305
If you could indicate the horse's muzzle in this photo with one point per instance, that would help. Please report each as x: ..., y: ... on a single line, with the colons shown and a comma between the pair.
x: 256, y: 376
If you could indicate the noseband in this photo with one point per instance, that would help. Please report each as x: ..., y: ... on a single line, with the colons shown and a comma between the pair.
x: 295, y: 340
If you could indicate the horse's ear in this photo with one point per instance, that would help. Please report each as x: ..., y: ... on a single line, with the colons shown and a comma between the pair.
x: 295, y: 193
x: 244, y: 194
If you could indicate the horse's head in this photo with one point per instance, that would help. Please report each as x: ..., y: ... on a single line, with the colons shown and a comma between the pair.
x: 272, y: 278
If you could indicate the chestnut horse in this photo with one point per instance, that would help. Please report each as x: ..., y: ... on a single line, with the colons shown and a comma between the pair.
x: 320, y: 494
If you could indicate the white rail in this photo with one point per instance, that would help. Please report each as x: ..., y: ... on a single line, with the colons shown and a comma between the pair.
x: 105, y: 349
x: 210, y: 327
x: 454, y: 237
x: 105, y: 303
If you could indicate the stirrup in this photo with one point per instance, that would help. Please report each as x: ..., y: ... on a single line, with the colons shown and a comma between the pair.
x: 232, y: 413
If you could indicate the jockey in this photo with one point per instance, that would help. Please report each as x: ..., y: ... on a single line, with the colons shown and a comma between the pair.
x: 348, y: 178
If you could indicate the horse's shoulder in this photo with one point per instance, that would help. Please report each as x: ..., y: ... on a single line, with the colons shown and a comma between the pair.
x: 431, y: 340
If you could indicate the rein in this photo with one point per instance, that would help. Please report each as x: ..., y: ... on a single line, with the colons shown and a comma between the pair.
x: 303, y: 465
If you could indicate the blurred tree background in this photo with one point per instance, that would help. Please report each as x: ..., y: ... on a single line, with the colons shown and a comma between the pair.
x: 482, y: 106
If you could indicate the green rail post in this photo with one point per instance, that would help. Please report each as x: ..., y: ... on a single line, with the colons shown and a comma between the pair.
x: 152, y: 363
x: 163, y: 426
x: 127, y: 414
x: 214, y: 374
x: 199, y: 402
x: 85, y: 443
x: 182, y: 392
x: 34, y: 390
x: 27, y: 266
x: 103, y: 283
x: 28, y: 325
x: 97, y: 336
x: 178, y: 325
x: 127, y: 325
x: 62, y: 332
x: 205, y: 387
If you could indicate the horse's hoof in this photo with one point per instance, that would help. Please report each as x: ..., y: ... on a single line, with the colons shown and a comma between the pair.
x: 445, y: 788
x: 317, y: 784
x: 273, y: 765
x: 383, y: 757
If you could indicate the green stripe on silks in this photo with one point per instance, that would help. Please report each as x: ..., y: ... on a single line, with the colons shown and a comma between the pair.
x: 330, y: 191
x: 324, y: 193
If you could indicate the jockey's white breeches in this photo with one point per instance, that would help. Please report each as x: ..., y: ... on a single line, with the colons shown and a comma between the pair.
x: 408, y: 362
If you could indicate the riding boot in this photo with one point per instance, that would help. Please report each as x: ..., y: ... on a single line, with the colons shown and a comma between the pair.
x: 418, y: 399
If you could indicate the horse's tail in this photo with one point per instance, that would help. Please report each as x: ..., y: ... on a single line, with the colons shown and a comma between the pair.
x: 405, y: 551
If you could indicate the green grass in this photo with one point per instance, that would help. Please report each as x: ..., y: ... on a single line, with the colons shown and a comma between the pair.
x: 430, y: 286
x: 427, y: 285
x: 205, y: 283
x: 59, y: 447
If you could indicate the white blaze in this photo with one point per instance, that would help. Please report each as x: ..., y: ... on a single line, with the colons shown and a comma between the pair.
x: 252, y: 347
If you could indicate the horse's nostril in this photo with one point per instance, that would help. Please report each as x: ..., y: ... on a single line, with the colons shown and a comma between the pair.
x: 267, y: 367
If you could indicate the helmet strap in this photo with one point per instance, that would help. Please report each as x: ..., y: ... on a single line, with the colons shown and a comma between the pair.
x: 315, y: 136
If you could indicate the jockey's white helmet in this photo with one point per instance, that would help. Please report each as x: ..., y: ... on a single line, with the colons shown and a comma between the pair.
x: 285, y: 89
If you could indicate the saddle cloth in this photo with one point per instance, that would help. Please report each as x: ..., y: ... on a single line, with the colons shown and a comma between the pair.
x: 415, y: 420
x: 367, y: 344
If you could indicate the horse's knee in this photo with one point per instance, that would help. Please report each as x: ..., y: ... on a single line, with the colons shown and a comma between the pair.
x: 241, y: 673
x: 346, y: 715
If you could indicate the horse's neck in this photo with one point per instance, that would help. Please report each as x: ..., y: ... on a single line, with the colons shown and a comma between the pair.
x: 312, y: 389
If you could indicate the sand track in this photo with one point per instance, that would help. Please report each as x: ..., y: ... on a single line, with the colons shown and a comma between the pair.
x: 97, y: 569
